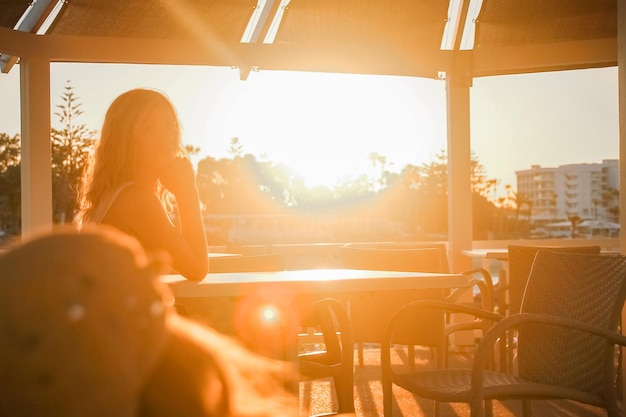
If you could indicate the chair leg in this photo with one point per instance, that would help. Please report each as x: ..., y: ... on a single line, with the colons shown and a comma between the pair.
x: 359, y: 346
x: 614, y: 412
x: 387, y: 398
x: 477, y: 407
x: 344, y: 388
x: 488, y: 408
x: 437, y: 409
x: 526, y: 409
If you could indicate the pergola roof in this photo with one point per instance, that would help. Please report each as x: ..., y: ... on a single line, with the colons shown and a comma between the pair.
x: 401, y: 37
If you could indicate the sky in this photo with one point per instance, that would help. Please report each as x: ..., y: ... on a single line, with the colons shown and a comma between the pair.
x: 324, y: 126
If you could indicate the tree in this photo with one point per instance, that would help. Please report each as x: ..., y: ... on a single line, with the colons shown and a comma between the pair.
x: 523, y: 206
x: 575, y: 220
x: 432, y: 189
x: 9, y: 151
x: 610, y: 203
x: 381, y: 161
x: 71, y: 145
x: 10, y: 185
x: 236, y: 148
x: 191, y: 150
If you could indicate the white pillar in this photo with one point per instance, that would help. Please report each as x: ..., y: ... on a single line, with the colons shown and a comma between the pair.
x: 36, y: 153
x: 458, y: 84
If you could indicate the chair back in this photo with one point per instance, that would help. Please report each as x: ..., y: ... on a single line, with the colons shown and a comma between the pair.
x: 388, y: 259
x: 370, y: 312
x: 251, y: 263
x: 521, y: 259
x: 442, y: 247
x: 582, y: 287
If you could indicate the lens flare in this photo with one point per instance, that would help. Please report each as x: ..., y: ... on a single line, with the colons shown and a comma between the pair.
x: 269, y: 314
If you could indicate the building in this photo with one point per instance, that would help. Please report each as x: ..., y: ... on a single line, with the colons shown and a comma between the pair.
x: 588, y: 191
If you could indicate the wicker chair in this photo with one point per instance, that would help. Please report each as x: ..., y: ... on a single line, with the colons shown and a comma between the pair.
x: 520, y: 262
x: 370, y: 312
x: 567, y: 332
x: 336, y: 359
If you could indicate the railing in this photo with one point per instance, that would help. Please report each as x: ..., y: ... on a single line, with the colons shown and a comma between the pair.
x: 326, y: 255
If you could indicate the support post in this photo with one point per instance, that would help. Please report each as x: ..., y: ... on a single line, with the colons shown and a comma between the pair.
x: 36, y: 160
x: 458, y: 83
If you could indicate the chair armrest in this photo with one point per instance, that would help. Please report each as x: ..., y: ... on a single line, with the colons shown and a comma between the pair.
x: 485, y: 275
x: 509, y: 322
x: 433, y: 305
x: 495, y: 333
x: 484, y: 284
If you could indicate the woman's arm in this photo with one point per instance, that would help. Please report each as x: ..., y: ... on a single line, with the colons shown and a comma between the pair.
x: 180, y: 179
x: 192, y: 231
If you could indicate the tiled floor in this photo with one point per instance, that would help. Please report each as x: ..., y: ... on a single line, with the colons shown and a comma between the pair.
x: 316, y: 397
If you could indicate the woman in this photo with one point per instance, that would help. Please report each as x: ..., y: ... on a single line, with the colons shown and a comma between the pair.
x: 140, y: 181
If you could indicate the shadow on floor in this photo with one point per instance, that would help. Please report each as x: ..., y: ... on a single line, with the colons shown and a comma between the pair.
x: 316, y: 397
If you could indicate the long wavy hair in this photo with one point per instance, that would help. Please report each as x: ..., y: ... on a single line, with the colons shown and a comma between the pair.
x: 114, y: 160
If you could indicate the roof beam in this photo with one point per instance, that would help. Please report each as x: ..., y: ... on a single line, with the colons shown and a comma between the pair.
x: 339, y: 58
x: 545, y: 57
x: 34, y: 17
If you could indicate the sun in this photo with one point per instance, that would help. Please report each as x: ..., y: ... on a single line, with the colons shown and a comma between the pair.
x: 322, y: 126
x: 325, y: 125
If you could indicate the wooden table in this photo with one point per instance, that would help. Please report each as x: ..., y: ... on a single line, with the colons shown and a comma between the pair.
x: 289, y: 290
x: 223, y: 255
x: 270, y: 300
x: 489, y: 255
x: 311, y: 282
x: 500, y: 254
